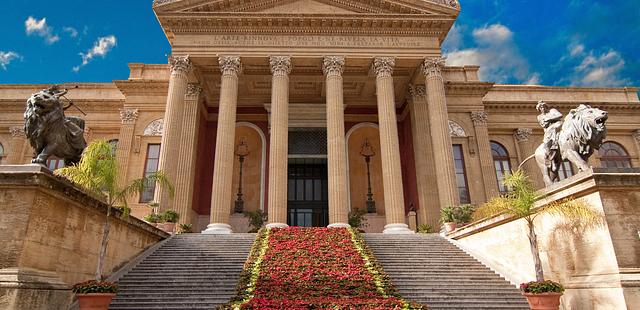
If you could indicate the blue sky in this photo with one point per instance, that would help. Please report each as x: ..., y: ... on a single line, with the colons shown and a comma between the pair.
x: 547, y: 42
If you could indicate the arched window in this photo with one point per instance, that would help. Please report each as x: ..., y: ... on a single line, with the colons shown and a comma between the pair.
x: 501, y: 164
x: 1, y: 153
x: 461, y: 174
x: 613, y: 155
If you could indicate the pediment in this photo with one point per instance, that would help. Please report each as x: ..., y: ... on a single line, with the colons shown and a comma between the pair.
x: 303, y: 7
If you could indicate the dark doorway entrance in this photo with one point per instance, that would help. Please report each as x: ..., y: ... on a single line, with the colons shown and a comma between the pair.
x: 307, y: 204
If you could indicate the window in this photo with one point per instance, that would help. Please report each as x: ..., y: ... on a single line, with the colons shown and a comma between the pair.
x: 150, y: 166
x: 613, y: 155
x: 565, y: 171
x: 114, y: 146
x: 461, y: 174
x: 501, y: 164
x: 1, y: 153
x: 54, y: 163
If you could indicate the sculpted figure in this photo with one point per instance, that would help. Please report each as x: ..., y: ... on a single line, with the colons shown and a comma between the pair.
x: 580, y: 135
x: 49, y: 131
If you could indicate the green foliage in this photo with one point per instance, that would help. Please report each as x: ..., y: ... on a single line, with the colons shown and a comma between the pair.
x: 153, y: 218
x: 357, y: 218
x: 464, y: 213
x: 256, y: 219
x: 540, y: 287
x: 94, y: 286
x: 425, y: 229
x: 447, y: 214
x: 185, y: 228
x: 170, y: 216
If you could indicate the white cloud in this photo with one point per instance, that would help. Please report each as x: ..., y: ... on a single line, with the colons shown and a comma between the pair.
x: 599, y: 69
x: 100, y: 48
x: 41, y: 29
x: 576, y: 49
x: 496, y: 54
x: 73, y: 32
x: 7, y: 57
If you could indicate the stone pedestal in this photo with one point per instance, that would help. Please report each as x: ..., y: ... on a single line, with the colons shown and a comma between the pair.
x: 222, y: 192
x: 389, y: 148
x: 32, y: 289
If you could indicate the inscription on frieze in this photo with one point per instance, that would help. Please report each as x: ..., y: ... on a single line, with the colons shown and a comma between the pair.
x: 310, y: 41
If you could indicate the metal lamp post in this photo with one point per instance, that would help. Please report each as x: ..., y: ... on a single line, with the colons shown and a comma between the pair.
x: 367, y: 152
x: 242, y: 150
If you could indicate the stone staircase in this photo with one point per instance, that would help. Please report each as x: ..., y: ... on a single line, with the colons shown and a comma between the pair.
x: 189, y: 271
x: 428, y: 269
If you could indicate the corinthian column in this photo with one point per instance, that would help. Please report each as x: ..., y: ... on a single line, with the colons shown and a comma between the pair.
x: 526, y: 148
x: 389, y: 148
x: 279, y: 148
x: 336, y: 154
x: 187, y: 158
x: 429, y: 208
x: 489, y: 177
x: 128, y: 118
x: 222, y: 192
x: 180, y: 67
x: 440, y: 137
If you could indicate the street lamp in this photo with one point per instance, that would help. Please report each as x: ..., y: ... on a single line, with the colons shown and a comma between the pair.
x: 242, y: 150
x: 367, y: 152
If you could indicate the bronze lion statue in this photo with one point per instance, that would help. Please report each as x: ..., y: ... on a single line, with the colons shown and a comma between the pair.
x: 49, y: 131
x: 582, y: 132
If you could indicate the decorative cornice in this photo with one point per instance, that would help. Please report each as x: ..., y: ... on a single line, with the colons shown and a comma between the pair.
x: 155, y: 128
x: 433, y: 67
x: 383, y: 66
x: 417, y: 91
x: 161, y: 2
x: 230, y: 65
x: 280, y: 65
x: 479, y: 118
x: 17, y: 131
x: 128, y: 116
x: 522, y: 135
x: 333, y: 65
x: 455, y: 130
x: 180, y: 64
x: 193, y: 91
x: 450, y: 3
x: 636, y: 135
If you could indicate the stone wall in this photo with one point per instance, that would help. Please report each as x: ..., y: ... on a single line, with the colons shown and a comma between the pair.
x: 48, y: 224
x: 598, y: 267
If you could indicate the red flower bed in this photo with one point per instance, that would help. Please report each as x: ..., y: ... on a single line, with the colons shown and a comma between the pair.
x: 314, y: 268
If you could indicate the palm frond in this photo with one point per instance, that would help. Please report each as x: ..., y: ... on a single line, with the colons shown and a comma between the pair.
x: 97, y: 170
x: 575, y: 213
x: 138, y: 186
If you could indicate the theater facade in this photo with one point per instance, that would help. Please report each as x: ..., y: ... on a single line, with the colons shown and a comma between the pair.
x: 310, y: 109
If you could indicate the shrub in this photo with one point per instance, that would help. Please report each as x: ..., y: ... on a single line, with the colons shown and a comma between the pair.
x: 425, y: 229
x: 185, y: 228
x: 464, y: 213
x: 447, y: 214
x: 153, y: 218
x: 170, y: 216
x: 357, y: 218
x: 93, y: 286
x: 256, y: 219
x: 535, y: 287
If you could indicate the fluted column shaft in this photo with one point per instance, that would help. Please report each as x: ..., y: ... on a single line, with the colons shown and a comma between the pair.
x: 336, y: 149
x: 389, y: 147
x: 187, y: 158
x: 429, y: 209
x: 527, y: 147
x: 487, y: 167
x: 125, y: 139
x: 180, y: 67
x: 279, y: 137
x: 16, y: 150
x: 440, y: 137
x: 222, y: 192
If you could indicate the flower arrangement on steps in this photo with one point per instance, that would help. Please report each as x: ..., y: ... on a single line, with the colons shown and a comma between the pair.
x: 314, y: 268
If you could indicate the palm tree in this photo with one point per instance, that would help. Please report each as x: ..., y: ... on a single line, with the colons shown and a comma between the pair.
x: 520, y: 203
x: 97, y: 173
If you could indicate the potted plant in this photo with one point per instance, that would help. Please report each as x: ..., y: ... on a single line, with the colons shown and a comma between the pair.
x: 95, y: 295
x: 170, y: 218
x: 463, y: 214
x: 153, y: 219
x: 184, y: 228
x: 542, y: 295
x: 448, y: 219
x: 520, y: 203
x: 97, y: 174
x: 424, y: 229
x: 256, y: 219
x: 357, y: 219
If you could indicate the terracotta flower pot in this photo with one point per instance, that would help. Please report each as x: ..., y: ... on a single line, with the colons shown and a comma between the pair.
x: 95, y: 301
x: 544, y: 301
x: 449, y: 226
x: 168, y: 227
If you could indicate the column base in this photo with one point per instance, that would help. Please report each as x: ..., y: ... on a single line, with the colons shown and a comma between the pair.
x: 339, y: 225
x: 217, y: 229
x: 277, y: 225
x: 397, y: 228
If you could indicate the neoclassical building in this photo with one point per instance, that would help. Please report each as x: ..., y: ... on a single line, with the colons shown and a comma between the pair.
x: 309, y: 109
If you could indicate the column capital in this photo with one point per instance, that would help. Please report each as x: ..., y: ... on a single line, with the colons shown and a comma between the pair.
x: 193, y: 91
x: 383, y: 66
x: 180, y: 64
x: 433, y: 66
x: 418, y: 92
x: 636, y: 135
x: 230, y: 65
x: 17, y: 131
x: 128, y: 116
x: 333, y: 65
x: 522, y: 135
x: 280, y: 65
x: 479, y: 118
